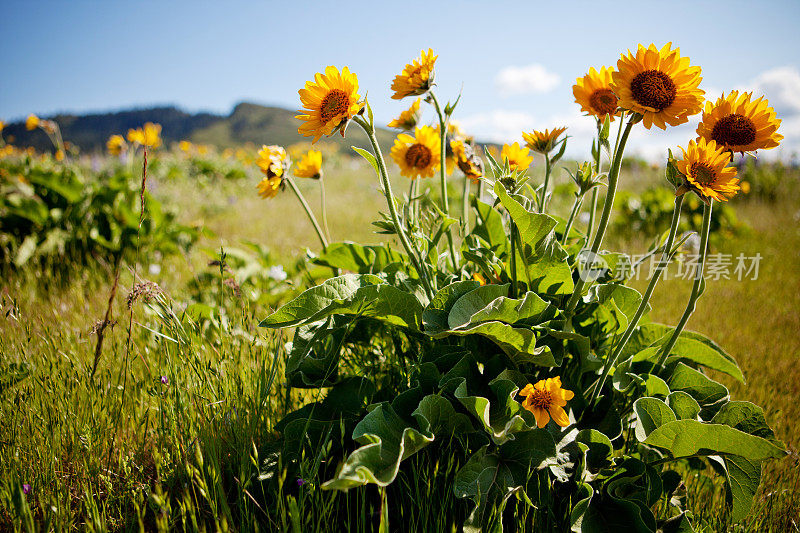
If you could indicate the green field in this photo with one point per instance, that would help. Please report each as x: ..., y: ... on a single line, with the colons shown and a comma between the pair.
x: 124, y: 451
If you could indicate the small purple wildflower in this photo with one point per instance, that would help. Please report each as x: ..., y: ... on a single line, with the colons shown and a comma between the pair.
x: 165, y: 380
x: 26, y: 488
x: 300, y: 482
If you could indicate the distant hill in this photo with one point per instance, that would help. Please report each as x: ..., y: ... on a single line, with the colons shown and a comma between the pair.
x: 247, y: 122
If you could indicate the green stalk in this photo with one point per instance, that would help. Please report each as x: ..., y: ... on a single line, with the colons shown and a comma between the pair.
x: 613, y: 178
x: 387, y: 192
x: 592, y: 212
x: 698, y: 282
x: 633, y: 324
x: 597, y: 158
x: 465, y: 205
x: 575, y: 208
x: 411, y: 208
x: 310, y: 214
x: 513, y: 260
x: 324, y: 208
x: 546, y: 182
x: 443, y: 174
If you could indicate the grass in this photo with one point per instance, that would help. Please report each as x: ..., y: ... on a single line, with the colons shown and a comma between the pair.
x: 125, y: 451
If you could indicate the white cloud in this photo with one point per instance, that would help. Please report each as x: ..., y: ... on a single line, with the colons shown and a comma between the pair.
x: 781, y: 86
x: 525, y: 80
x: 498, y: 125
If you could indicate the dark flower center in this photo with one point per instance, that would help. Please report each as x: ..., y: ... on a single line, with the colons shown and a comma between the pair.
x: 653, y: 88
x: 603, y: 101
x: 418, y: 156
x: 541, y: 399
x: 335, y: 103
x: 734, y: 130
x: 702, y: 173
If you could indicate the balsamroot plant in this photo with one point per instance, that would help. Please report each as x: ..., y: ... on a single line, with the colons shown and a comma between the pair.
x: 505, y: 336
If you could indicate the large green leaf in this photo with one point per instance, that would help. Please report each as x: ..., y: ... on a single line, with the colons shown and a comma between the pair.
x: 386, y: 440
x: 683, y: 405
x: 685, y: 438
x: 626, y: 299
x: 530, y: 310
x: 434, y: 317
x: 473, y: 301
x: 518, y: 343
x: 743, y: 477
x: 623, y: 504
x: 352, y: 294
x: 699, y: 386
x: 690, y: 346
x: 489, y: 479
x: 489, y: 226
x: 651, y: 413
x: 501, y: 415
x: 487, y: 312
x: 541, y: 262
x: 359, y: 258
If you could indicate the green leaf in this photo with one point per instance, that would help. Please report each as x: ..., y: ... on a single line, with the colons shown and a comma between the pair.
x: 685, y: 438
x: 622, y: 505
x: 517, y: 343
x: 684, y: 406
x: 747, y: 417
x: 489, y: 226
x: 352, y: 294
x: 699, y: 386
x: 626, y: 299
x: 436, y: 415
x: 533, y: 227
x: 434, y: 317
x: 502, y: 416
x: 489, y: 479
x: 530, y: 310
x: 386, y: 441
x: 743, y: 478
x: 599, y: 447
x: 369, y: 157
x: 688, y: 349
x: 314, y: 354
x: 359, y: 258
x: 472, y: 302
x: 651, y: 413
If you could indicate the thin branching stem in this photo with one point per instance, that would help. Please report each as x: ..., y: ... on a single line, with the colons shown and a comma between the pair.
x: 613, y: 178
x: 443, y: 174
x: 307, y: 208
x: 387, y: 191
x: 697, y: 287
x: 666, y: 255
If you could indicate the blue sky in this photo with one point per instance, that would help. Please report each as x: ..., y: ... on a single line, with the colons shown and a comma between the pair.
x: 82, y: 56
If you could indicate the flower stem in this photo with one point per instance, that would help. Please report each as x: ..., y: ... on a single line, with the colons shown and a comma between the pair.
x: 465, y: 205
x: 546, y: 182
x: 575, y: 208
x: 324, y: 207
x: 597, y: 158
x: 443, y: 173
x: 613, y: 178
x: 513, y: 260
x: 634, y: 322
x: 696, y: 287
x: 387, y: 192
x: 310, y: 214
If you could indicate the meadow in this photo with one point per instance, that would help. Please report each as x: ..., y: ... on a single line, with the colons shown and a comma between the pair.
x: 174, y: 435
x: 274, y: 340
